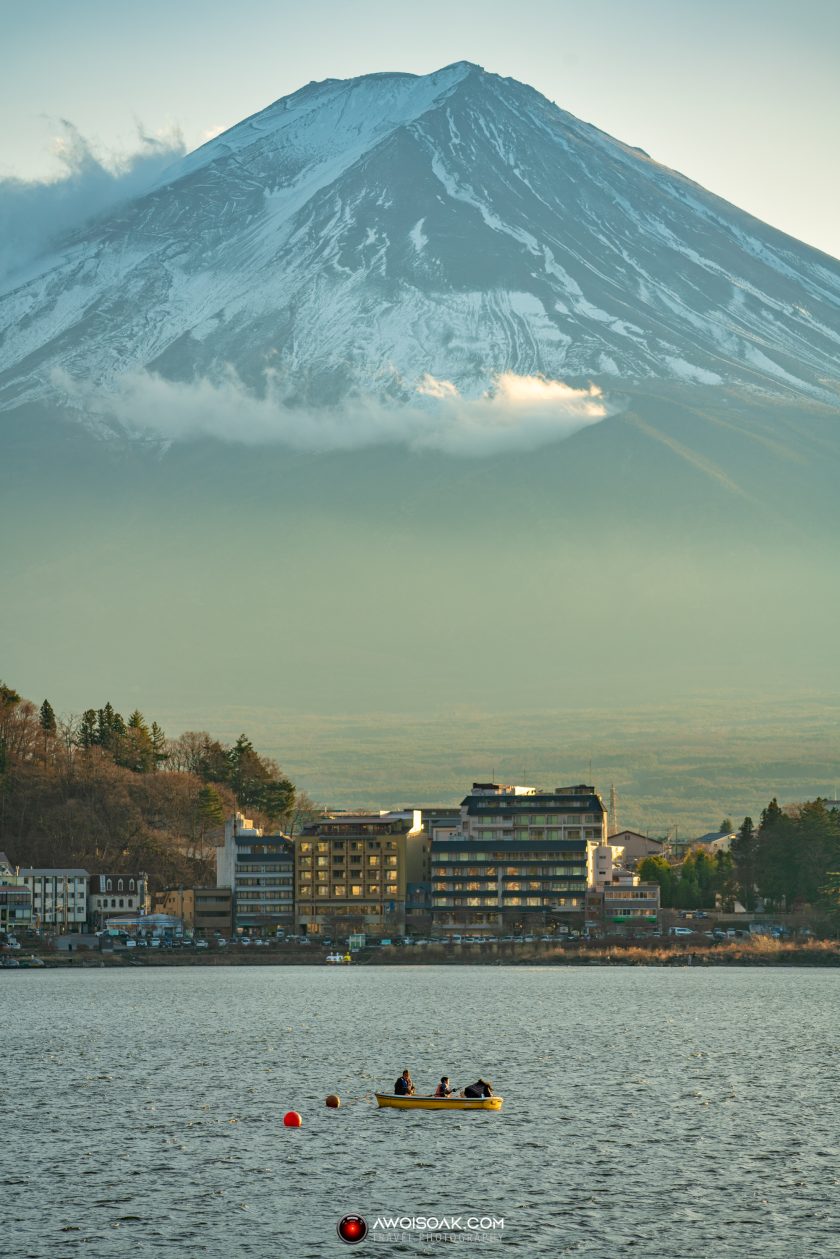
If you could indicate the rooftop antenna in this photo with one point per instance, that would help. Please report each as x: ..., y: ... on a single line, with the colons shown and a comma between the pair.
x: 614, y: 827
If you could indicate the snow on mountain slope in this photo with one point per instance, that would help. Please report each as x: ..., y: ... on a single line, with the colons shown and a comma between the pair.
x: 359, y: 235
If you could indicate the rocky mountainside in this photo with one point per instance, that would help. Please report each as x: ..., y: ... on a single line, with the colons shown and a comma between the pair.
x: 359, y: 236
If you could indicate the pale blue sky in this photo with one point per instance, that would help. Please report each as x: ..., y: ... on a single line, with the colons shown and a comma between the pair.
x: 741, y: 95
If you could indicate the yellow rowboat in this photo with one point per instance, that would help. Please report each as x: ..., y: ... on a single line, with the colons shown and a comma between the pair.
x: 402, y: 1102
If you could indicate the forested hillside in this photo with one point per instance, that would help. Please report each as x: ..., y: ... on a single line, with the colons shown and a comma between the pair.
x: 110, y: 793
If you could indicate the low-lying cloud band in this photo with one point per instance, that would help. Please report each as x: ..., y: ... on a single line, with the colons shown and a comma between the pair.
x: 515, y: 413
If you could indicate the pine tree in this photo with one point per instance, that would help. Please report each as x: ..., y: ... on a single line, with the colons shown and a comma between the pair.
x: 248, y: 774
x: 744, y: 852
x: 48, y: 724
x: 133, y: 747
x: 159, y: 749
x: 46, y: 718
x: 276, y: 798
x: 704, y: 872
x: 725, y: 879
x: 87, y: 734
x: 105, y: 726
x: 771, y: 816
x: 211, y: 807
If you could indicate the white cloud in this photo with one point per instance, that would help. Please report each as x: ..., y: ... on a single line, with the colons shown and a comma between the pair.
x: 515, y: 413
x: 211, y: 132
x: 429, y: 387
x: 34, y: 214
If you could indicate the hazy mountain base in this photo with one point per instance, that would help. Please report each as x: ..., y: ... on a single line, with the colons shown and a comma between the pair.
x: 685, y: 546
x: 684, y: 765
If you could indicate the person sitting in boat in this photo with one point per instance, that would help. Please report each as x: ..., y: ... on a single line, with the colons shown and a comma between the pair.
x: 404, y: 1086
x: 480, y: 1089
x: 443, y: 1089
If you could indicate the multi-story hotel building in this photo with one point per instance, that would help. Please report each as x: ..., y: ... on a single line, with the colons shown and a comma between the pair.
x: 259, y: 870
x: 521, y: 858
x: 352, y: 871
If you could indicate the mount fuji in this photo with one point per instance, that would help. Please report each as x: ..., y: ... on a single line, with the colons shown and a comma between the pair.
x: 217, y: 400
x: 362, y: 238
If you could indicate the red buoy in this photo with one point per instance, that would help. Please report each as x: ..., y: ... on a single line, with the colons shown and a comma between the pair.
x: 292, y: 1119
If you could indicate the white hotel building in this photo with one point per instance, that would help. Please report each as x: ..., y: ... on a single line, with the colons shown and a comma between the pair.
x: 59, y: 898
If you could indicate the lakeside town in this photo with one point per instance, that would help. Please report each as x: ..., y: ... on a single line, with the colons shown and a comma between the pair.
x: 512, y: 871
x: 119, y: 844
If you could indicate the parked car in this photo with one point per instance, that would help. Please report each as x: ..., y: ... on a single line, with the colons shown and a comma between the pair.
x: 201, y: 944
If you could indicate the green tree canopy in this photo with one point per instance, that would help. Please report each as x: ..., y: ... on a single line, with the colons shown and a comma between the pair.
x: 46, y: 719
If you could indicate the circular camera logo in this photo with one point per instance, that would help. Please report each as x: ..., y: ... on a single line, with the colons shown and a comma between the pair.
x: 352, y: 1229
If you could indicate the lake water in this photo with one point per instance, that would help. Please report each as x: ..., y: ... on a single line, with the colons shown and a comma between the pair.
x: 657, y: 1113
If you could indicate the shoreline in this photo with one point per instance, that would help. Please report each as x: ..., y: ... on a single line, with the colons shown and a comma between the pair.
x: 633, y: 954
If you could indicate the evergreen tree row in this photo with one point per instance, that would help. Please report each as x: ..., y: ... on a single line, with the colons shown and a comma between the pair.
x: 791, y: 859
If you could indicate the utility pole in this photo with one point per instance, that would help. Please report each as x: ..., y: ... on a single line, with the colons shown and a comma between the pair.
x: 614, y: 827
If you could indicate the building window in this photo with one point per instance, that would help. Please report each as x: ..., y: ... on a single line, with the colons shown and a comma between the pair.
x: 355, y: 889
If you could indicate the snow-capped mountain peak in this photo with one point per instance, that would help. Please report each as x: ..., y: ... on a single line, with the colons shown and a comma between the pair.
x: 359, y: 236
